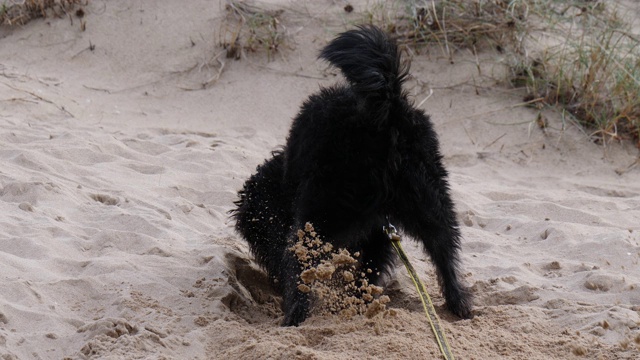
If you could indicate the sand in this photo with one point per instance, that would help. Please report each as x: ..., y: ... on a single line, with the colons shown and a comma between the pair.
x: 119, y: 167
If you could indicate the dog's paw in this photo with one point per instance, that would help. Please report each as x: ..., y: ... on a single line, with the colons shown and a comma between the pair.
x: 463, y: 311
x: 295, y: 315
x: 461, y: 304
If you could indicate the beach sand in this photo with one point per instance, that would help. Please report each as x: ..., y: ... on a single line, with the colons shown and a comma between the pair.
x: 119, y: 167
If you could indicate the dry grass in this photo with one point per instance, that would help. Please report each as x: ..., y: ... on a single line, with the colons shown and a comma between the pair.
x: 19, y: 12
x: 592, y: 71
x: 579, y: 55
x: 452, y: 25
x: 251, y: 27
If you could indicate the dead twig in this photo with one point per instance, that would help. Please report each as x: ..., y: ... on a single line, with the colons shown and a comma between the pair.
x: 628, y: 168
x: 494, y: 141
x: 61, y: 108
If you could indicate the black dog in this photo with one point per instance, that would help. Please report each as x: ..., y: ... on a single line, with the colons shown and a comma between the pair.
x: 357, y: 154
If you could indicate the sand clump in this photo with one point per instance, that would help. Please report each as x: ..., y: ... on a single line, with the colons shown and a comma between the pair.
x: 335, y: 278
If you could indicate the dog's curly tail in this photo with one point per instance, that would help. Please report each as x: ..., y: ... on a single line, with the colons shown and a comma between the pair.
x: 370, y: 61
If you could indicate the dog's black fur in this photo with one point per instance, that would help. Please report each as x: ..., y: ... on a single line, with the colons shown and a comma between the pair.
x: 356, y: 154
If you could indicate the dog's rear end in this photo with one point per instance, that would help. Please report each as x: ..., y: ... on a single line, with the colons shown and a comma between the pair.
x: 356, y: 155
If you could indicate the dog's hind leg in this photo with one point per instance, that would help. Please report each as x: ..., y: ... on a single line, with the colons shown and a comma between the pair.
x: 442, y: 245
x: 426, y: 214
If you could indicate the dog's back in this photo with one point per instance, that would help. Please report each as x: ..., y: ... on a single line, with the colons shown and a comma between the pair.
x: 344, y: 148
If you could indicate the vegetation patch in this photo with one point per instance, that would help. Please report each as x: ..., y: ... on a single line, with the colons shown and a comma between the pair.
x: 579, y: 55
x: 20, y: 12
x: 251, y: 27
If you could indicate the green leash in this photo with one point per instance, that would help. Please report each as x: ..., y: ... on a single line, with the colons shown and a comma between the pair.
x: 390, y: 230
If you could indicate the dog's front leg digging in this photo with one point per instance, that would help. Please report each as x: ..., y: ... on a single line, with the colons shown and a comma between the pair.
x: 295, y: 303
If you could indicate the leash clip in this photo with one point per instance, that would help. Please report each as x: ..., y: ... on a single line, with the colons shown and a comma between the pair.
x: 391, y: 231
